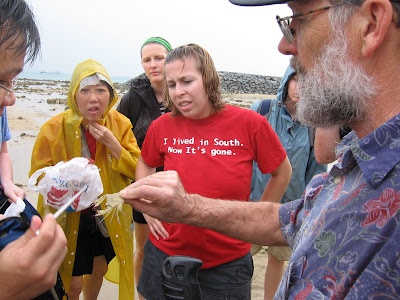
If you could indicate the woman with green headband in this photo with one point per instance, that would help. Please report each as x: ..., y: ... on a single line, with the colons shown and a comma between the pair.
x: 142, y: 105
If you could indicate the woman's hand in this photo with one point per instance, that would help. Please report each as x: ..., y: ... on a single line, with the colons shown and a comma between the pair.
x: 106, y: 137
x: 156, y: 227
x: 13, y: 192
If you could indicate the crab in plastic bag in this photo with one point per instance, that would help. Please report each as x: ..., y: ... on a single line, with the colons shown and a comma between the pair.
x: 114, y: 204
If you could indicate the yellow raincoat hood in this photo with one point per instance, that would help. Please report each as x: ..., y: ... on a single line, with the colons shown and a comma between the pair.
x: 82, y: 70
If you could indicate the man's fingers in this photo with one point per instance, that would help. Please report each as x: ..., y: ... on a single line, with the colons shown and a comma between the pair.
x: 49, y: 240
x: 146, y: 207
x: 152, y: 187
x: 143, y: 191
x: 36, y: 222
x: 158, y: 179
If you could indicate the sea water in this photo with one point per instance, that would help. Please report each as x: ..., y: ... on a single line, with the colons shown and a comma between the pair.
x: 62, y: 76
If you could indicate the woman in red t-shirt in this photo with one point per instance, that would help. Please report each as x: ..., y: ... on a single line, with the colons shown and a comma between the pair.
x: 212, y: 146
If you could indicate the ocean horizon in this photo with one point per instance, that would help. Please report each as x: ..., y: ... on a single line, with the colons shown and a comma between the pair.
x: 62, y: 76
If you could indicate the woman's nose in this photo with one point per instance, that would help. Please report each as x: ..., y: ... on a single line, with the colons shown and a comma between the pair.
x: 92, y: 96
x: 179, y: 90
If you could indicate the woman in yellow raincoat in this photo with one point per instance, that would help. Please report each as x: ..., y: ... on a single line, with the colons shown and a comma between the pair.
x: 90, y: 128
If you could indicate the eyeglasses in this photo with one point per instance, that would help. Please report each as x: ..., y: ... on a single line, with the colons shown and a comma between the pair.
x: 284, y: 23
x: 11, y: 86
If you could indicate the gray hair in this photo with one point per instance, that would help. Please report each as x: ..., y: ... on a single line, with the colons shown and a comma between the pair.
x: 341, y: 14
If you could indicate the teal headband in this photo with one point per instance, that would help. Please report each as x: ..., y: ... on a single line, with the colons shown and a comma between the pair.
x: 157, y: 40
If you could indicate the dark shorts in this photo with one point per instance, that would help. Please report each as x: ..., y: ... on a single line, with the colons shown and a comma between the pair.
x: 138, y: 217
x: 228, y: 281
x: 90, y: 243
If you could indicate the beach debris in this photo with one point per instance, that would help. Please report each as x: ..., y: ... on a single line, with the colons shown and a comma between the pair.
x: 23, y: 134
x: 57, y: 101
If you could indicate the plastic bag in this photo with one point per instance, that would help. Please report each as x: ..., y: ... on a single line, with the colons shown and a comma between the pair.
x: 65, y: 179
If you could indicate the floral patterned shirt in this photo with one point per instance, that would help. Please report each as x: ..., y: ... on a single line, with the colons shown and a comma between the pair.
x: 345, y: 230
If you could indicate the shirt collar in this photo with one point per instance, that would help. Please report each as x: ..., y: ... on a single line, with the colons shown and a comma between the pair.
x: 377, y: 153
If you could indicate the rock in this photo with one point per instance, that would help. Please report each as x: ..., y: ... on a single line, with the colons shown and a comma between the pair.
x: 240, y: 83
x: 57, y: 101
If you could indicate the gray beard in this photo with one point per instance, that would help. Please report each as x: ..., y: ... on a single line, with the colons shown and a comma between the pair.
x: 336, y: 91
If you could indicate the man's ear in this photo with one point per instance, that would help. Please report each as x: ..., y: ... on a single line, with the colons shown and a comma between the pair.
x: 378, y: 15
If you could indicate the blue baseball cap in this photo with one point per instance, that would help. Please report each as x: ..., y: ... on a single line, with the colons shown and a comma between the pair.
x: 258, y: 2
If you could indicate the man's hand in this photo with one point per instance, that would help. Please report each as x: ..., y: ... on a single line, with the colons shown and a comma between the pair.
x: 160, y: 195
x: 30, y: 264
x: 163, y: 196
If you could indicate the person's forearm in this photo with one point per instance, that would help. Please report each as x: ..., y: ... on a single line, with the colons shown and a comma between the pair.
x: 163, y: 196
x: 278, y: 182
x: 115, y: 148
x: 254, y: 222
x: 143, y: 169
x: 275, y: 189
x: 6, y: 169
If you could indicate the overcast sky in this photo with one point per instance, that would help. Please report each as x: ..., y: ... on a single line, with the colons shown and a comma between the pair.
x: 239, y: 39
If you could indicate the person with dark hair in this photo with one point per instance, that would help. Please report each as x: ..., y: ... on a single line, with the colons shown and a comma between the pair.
x: 91, y: 128
x: 142, y: 104
x: 344, y: 231
x: 18, y: 28
x: 18, y: 32
x: 28, y: 265
x: 212, y: 146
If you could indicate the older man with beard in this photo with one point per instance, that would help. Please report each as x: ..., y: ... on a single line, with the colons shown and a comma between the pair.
x: 344, y: 231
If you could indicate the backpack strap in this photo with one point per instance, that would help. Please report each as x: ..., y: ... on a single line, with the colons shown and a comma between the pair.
x: 138, y: 110
x: 265, y: 107
x: 311, y: 136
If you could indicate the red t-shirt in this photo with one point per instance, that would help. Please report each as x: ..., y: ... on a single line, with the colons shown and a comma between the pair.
x: 214, y: 158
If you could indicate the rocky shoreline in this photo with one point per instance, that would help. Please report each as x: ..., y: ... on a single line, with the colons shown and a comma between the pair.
x: 237, y: 88
x: 241, y: 83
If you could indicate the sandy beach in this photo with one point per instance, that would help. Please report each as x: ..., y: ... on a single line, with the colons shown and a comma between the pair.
x: 39, y: 100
